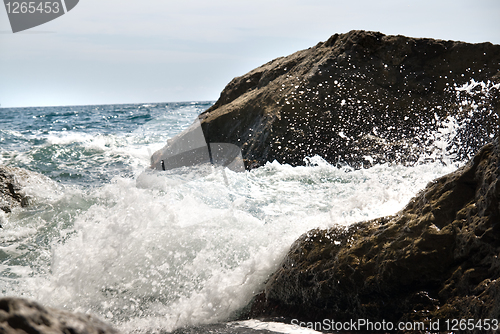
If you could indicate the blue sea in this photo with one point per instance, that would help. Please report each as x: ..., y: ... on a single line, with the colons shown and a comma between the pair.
x: 149, y: 252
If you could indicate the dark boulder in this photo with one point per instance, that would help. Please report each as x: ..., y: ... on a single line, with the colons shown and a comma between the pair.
x: 19, y: 316
x: 436, y: 259
x: 360, y: 94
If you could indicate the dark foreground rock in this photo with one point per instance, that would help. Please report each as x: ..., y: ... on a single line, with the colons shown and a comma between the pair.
x: 19, y: 316
x: 359, y: 94
x: 436, y: 259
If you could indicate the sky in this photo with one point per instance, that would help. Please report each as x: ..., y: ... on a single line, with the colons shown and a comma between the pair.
x: 146, y: 51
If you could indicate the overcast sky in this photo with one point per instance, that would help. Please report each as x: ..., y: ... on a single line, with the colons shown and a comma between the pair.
x: 124, y: 51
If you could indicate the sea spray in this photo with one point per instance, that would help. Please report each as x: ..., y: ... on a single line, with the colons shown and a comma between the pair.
x: 197, y: 252
x: 153, y: 250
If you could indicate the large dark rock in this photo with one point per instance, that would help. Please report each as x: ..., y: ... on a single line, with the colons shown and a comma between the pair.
x: 436, y: 259
x: 359, y: 94
x: 19, y: 316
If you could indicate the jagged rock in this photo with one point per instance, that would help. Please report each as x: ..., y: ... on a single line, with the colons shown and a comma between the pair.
x: 13, y: 180
x: 358, y: 94
x: 435, y: 259
x: 10, y: 189
x: 19, y: 316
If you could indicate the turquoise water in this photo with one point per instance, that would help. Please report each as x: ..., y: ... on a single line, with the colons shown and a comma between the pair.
x: 88, y: 145
x: 151, y: 251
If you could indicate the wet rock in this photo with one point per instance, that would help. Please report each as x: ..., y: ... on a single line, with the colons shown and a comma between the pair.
x: 19, y: 316
x: 10, y: 189
x: 357, y: 95
x: 436, y: 259
x: 13, y: 181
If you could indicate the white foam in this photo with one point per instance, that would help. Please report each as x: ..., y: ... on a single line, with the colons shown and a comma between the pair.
x: 67, y: 137
x: 471, y: 87
x: 161, y: 251
x: 165, y: 255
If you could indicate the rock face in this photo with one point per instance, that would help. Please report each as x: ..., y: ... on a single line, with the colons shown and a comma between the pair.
x: 12, y: 180
x: 359, y: 94
x: 436, y: 259
x: 17, y: 187
x: 19, y: 316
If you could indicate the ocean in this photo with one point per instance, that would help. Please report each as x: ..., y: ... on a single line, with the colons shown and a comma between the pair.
x: 157, y: 252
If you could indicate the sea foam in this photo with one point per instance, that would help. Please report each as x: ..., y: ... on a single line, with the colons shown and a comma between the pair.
x: 149, y: 250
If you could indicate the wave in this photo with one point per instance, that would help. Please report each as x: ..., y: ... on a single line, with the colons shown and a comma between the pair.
x: 152, y: 251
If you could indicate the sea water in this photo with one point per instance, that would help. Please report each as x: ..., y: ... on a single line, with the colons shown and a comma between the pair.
x: 151, y: 251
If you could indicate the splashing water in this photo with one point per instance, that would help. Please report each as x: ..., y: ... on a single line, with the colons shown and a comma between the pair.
x: 148, y: 251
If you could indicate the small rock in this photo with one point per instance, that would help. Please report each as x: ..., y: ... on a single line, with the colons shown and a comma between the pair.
x: 13, y: 181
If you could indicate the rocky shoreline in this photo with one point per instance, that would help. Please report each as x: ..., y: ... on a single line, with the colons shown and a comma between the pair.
x: 360, y: 98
